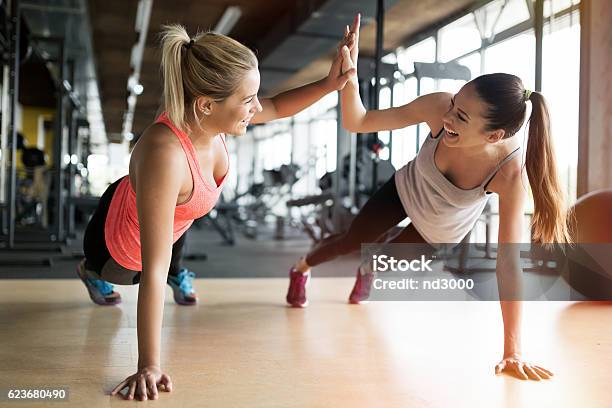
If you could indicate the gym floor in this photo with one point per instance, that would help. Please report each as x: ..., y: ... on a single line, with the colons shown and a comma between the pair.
x: 242, y: 347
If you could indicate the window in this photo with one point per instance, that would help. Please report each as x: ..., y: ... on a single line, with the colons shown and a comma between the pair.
x: 514, y: 56
x: 403, y: 140
x: 555, y: 6
x: 424, y: 51
x: 473, y: 63
x: 458, y: 38
x: 450, y: 85
x: 560, y: 86
x: 499, y: 15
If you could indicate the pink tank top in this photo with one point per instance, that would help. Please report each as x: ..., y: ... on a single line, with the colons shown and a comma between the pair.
x: 122, y: 231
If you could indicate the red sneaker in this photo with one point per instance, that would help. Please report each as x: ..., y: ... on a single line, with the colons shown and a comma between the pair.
x: 361, y: 290
x: 296, y: 294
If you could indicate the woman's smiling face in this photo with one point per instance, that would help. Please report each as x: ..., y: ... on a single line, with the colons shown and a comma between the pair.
x: 233, y: 114
x: 464, y: 123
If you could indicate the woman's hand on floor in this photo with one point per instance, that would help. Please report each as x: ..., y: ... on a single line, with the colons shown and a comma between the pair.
x: 143, y: 385
x: 514, y: 365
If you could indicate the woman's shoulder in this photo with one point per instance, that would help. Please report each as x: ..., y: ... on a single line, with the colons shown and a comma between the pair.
x: 435, y: 105
x: 157, y: 144
x: 511, y: 178
x: 158, y: 138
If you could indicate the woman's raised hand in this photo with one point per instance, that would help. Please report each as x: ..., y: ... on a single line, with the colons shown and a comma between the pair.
x: 341, y: 71
x: 354, y: 31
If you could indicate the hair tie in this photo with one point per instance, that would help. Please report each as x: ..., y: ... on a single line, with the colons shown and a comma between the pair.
x: 189, y: 44
x: 527, y: 94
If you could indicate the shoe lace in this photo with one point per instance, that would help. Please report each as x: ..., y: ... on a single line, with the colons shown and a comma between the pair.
x: 185, y: 279
x: 103, y: 286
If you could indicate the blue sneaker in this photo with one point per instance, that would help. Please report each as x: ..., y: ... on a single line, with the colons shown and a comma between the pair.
x: 100, y: 291
x: 182, y: 288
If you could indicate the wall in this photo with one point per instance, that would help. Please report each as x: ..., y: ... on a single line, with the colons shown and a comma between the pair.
x: 595, y: 144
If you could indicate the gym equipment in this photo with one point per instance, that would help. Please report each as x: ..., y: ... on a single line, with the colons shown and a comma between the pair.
x: 332, y: 211
x: 25, y: 52
x: 249, y: 211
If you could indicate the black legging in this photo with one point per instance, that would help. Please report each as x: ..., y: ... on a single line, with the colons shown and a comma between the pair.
x: 94, y: 243
x: 381, y: 212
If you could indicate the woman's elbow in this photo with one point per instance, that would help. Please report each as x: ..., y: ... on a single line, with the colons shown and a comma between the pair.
x: 350, y: 129
x: 351, y: 125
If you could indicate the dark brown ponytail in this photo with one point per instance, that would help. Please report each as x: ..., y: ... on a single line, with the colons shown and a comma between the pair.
x: 550, y: 217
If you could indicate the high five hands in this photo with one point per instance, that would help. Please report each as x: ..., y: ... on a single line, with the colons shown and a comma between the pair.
x: 344, y: 66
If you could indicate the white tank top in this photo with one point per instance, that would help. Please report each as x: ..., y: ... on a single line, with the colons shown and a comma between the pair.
x: 440, y: 211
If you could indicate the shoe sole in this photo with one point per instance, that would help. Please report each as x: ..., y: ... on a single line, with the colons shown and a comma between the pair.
x: 305, y: 304
x: 92, y: 294
x: 298, y: 305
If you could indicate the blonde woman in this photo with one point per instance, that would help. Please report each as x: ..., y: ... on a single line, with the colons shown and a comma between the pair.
x: 176, y: 173
x: 470, y: 153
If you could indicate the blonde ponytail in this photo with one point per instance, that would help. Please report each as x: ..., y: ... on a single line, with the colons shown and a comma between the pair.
x: 174, y: 39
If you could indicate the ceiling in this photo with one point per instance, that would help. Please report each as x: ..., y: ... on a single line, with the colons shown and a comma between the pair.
x: 293, y: 39
x: 114, y: 36
x: 403, y: 20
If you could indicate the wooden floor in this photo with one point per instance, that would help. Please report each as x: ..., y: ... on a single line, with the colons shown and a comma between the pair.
x: 241, y: 347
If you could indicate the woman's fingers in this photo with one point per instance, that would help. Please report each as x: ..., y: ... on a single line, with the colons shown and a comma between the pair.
x: 347, y: 63
x: 550, y: 373
x: 356, y: 24
x: 166, y: 382
x: 345, y: 78
x: 152, y: 386
x: 119, y: 387
x: 348, y: 40
x: 531, y: 372
x: 130, y: 394
x: 142, y: 384
x: 518, y: 367
x: 543, y: 374
x: 348, y: 69
x: 524, y: 370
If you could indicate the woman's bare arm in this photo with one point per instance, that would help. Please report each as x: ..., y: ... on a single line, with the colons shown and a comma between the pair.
x: 156, y: 173
x: 158, y: 178
x: 295, y: 100
x: 427, y: 108
x: 510, y: 185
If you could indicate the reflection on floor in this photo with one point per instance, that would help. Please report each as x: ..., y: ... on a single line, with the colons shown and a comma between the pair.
x: 242, y: 347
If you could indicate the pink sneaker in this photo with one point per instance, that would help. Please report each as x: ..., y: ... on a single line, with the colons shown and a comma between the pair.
x: 361, y: 290
x: 296, y: 294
